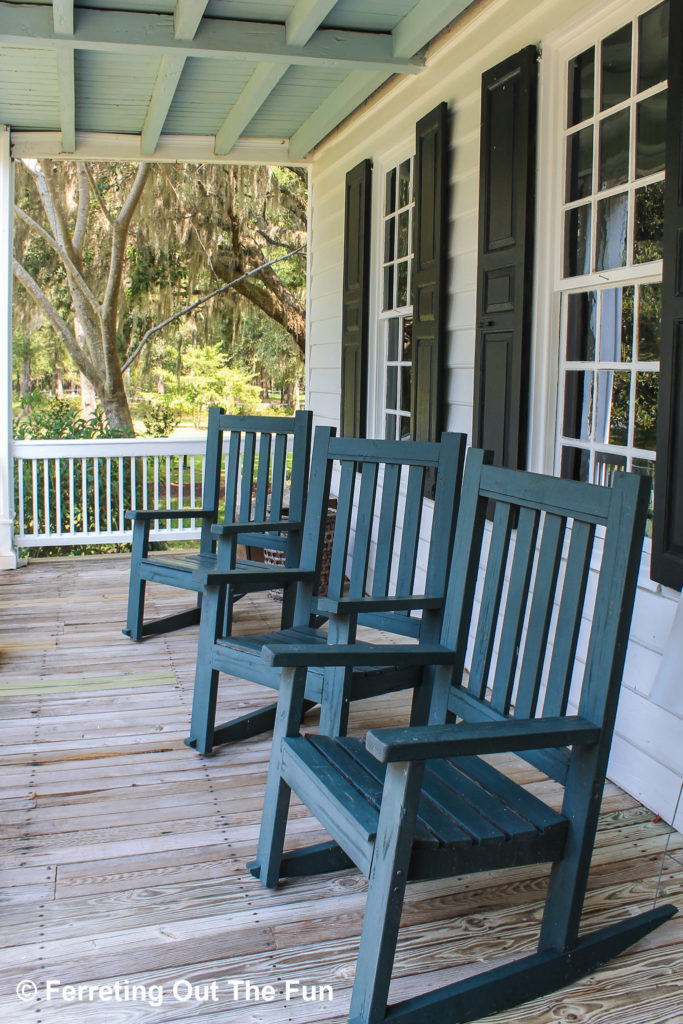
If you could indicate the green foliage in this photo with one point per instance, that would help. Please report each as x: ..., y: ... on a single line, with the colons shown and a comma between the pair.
x: 205, y: 379
x: 45, y: 417
x: 161, y: 417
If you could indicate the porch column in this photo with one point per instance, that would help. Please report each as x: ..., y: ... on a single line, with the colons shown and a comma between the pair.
x: 8, y: 558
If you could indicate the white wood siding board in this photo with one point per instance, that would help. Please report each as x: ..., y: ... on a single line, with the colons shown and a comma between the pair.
x: 649, y: 781
x: 652, y: 620
x: 326, y: 357
x: 641, y: 667
x: 326, y: 381
x: 327, y: 308
x: 459, y: 419
x: 459, y: 385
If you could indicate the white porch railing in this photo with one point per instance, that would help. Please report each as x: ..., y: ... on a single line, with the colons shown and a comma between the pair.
x: 77, y: 492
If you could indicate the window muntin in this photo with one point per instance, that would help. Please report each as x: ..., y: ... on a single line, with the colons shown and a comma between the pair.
x: 613, y: 191
x: 396, y: 319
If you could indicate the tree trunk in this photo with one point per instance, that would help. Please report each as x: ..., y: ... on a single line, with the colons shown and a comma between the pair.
x: 88, y: 398
x: 117, y: 413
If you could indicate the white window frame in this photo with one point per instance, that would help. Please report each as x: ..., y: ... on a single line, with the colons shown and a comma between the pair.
x: 377, y: 334
x: 549, y: 283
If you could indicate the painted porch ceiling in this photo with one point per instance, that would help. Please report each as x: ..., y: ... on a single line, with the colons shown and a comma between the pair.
x: 244, y: 79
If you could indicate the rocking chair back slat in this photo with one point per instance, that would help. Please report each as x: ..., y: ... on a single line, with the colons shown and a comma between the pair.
x: 262, y: 478
x: 491, y: 597
x: 540, y: 615
x: 390, y: 493
x: 232, y: 470
x: 410, y: 533
x: 342, y: 528
x: 515, y: 609
x: 248, y: 454
x: 279, y: 473
x: 211, y: 476
x: 363, y: 529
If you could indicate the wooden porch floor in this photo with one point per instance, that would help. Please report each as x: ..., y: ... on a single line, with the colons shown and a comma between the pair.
x: 123, y: 854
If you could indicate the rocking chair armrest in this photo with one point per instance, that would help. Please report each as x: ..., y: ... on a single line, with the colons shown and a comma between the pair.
x: 422, y: 743
x: 358, y: 605
x: 149, y: 514
x: 252, y: 578
x: 314, y: 656
x: 274, y: 526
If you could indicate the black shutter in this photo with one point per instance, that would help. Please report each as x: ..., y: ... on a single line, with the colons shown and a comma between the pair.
x: 355, y: 301
x: 430, y: 248
x: 667, y: 533
x: 505, y: 258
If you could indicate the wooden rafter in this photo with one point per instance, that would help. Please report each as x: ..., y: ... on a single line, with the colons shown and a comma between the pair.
x: 63, y: 22
x: 135, y: 34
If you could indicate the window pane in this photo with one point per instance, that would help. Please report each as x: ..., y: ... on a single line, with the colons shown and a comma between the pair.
x: 614, y: 133
x: 646, y: 467
x: 605, y: 465
x: 645, y: 427
x: 390, y: 185
x: 390, y: 427
x: 612, y: 401
x: 404, y: 427
x: 581, y: 325
x: 649, y: 322
x: 653, y: 31
x: 577, y: 241
x: 611, y: 232
x: 389, y: 239
x: 407, y: 339
x: 581, y: 83
x: 578, y: 404
x: 616, y: 325
x: 580, y: 164
x: 404, y: 183
x: 392, y: 381
x: 403, y: 236
x: 392, y: 346
x: 402, y: 284
x: 575, y: 463
x: 405, y: 389
x: 388, y: 288
x: 649, y: 226
x: 616, y: 68
x: 651, y: 135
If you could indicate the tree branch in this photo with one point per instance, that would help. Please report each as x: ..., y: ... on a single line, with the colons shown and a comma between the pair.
x: 83, y: 210
x: 54, y: 319
x: 97, y: 194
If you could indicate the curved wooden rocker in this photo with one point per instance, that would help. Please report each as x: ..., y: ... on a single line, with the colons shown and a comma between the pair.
x: 380, y: 488
x: 420, y: 802
x: 252, y: 481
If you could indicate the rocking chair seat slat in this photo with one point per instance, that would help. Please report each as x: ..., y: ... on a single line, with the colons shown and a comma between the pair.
x: 447, y: 818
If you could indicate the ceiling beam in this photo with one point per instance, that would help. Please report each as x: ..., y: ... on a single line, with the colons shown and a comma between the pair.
x: 249, y: 102
x: 63, y: 23
x: 168, y: 76
x: 423, y: 22
x: 186, y: 20
x: 305, y: 17
x: 142, y: 35
x: 338, y: 105
x: 187, y: 16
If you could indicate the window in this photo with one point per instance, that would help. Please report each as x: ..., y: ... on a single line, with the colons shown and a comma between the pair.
x: 396, y: 321
x: 614, y: 145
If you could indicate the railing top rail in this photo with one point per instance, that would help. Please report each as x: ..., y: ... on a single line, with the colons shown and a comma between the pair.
x: 107, y: 447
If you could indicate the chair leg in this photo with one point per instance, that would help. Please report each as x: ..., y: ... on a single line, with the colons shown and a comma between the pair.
x: 385, y: 892
x: 277, y: 795
x: 136, y: 585
x: 206, y: 676
x: 335, y: 703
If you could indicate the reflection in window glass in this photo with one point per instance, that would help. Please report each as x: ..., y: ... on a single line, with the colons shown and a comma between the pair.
x: 575, y: 463
x: 614, y: 135
x: 581, y: 326
x: 581, y: 78
x: 653, y: 35
x: 616, y: 68
x: 648, y: 236
x: 404, y: 173
x: 611, y: 232
x: 616, y: 325
x: 646, y: 467
x: 578, y: 404
x: 647, y: 394
x: 612, y: 406
x: 577, y: 241
x: 649, y: 322
x: 580, y: 164
x: 650, y: 135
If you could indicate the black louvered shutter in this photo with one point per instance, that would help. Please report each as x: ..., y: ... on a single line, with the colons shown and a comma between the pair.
x: 355, y: 301
x: 430, y: 248
x: 667, y: 534
x: 505, y: 258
